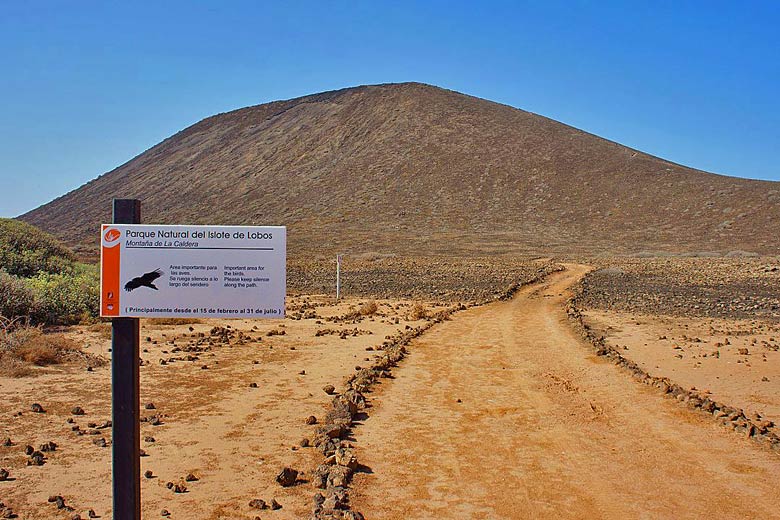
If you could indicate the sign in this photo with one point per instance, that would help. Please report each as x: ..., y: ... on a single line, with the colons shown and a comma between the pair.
x: 192, y: 271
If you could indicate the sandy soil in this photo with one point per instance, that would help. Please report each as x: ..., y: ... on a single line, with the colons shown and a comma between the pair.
x: 734, y: 361
x: 503, y: 412
x: 233, y: 438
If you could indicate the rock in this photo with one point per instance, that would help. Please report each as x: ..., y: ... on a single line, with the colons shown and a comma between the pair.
x: 165, y: 512
x: 37, y: 408
x: 7, y: 442
x: 304, y: 443
x: 77, y: 410
x: 150, y: 406
x: 333, y: 431
x: 346, y: 457
x: 191, y: 478
x: 28, y: 450
x: 100, y: 442
x: 311, y: 420
x: 179, y: 488
x: 258, y: 503
x: 339, y: 476
x: 148, y: 473
x: 743, y: 352
x: 75, y: 516
x: 92, y: 514
x: 332, y: 503
x: 36, y: 459
x: 149, y: 438
x: 48, y: 446
x: 329, y: 389
x: 3, y: 474
x: 287, y: 477
x: 275, y: 505
x: 252, y: 385
x: 320, y: 476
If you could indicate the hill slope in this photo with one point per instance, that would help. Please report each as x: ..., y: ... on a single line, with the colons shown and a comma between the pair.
x: 413, y: 168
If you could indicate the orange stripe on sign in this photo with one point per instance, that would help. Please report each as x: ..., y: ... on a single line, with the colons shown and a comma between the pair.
x: 109, y: 271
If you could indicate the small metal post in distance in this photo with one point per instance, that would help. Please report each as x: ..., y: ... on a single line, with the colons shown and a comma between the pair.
x: 338, y: 277
x: 125, y: 398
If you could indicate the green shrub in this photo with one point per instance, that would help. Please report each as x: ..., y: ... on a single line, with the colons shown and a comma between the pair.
x: 68, y: 298
x: 26, y: 250
x: 16, y: 298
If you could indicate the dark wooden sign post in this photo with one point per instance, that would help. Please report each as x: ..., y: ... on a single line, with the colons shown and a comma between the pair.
x: 125, y: 396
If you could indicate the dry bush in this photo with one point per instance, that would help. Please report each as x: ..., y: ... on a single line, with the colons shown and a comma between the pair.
x: 418, y: 312
x: 368, y: 308
x: 22, y: 345
x: 102, y: 328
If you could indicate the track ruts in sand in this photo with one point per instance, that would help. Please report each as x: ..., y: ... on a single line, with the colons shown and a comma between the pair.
x: 504, y: 412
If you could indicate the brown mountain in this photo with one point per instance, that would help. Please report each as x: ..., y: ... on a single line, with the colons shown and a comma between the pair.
x: 411, y: 168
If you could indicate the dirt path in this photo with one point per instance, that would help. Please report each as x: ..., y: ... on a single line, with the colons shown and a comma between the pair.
x: 545, y: 429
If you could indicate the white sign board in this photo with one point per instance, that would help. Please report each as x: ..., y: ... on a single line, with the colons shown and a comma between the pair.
x: 192, y: 271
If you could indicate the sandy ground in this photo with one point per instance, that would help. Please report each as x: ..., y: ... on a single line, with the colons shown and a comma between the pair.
x: 233, y: 438
x: 736, y: 361
x: 504, y: 412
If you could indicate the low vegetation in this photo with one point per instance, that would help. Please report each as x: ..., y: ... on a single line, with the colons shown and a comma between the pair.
x: 23, y: 346
x: 41, y: 281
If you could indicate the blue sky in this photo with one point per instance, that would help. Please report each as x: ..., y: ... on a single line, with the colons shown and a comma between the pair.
x: 86, y: 86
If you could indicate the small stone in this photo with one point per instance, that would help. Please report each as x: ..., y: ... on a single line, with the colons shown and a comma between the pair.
x: 252, y: 385
x: 149, y: 438
x: 77, y: 410
x: 37, y: 408
x: 100, y: 442
x: 304, y: 443
x: 92, y: 514
x: 169, y: 485
x: 28, y: 450
x: 150, y: 406
x: 275, y: 505
x: 311, y: 420
x: 191, y: 478
x: 36, y: 459
x: 287, y: 477
x: 179, y: 488
x: 329, y: 389
x: 165, y: 512
x: 302, y: 373
x: 148, y: 473
x: 258, y: 503
x: 7, y: 442
x: 3, y: 474
x: 75, y: 516
x: 48, y: 446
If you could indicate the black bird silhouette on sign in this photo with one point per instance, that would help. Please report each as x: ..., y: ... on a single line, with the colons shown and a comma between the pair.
x: 144, y: 280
